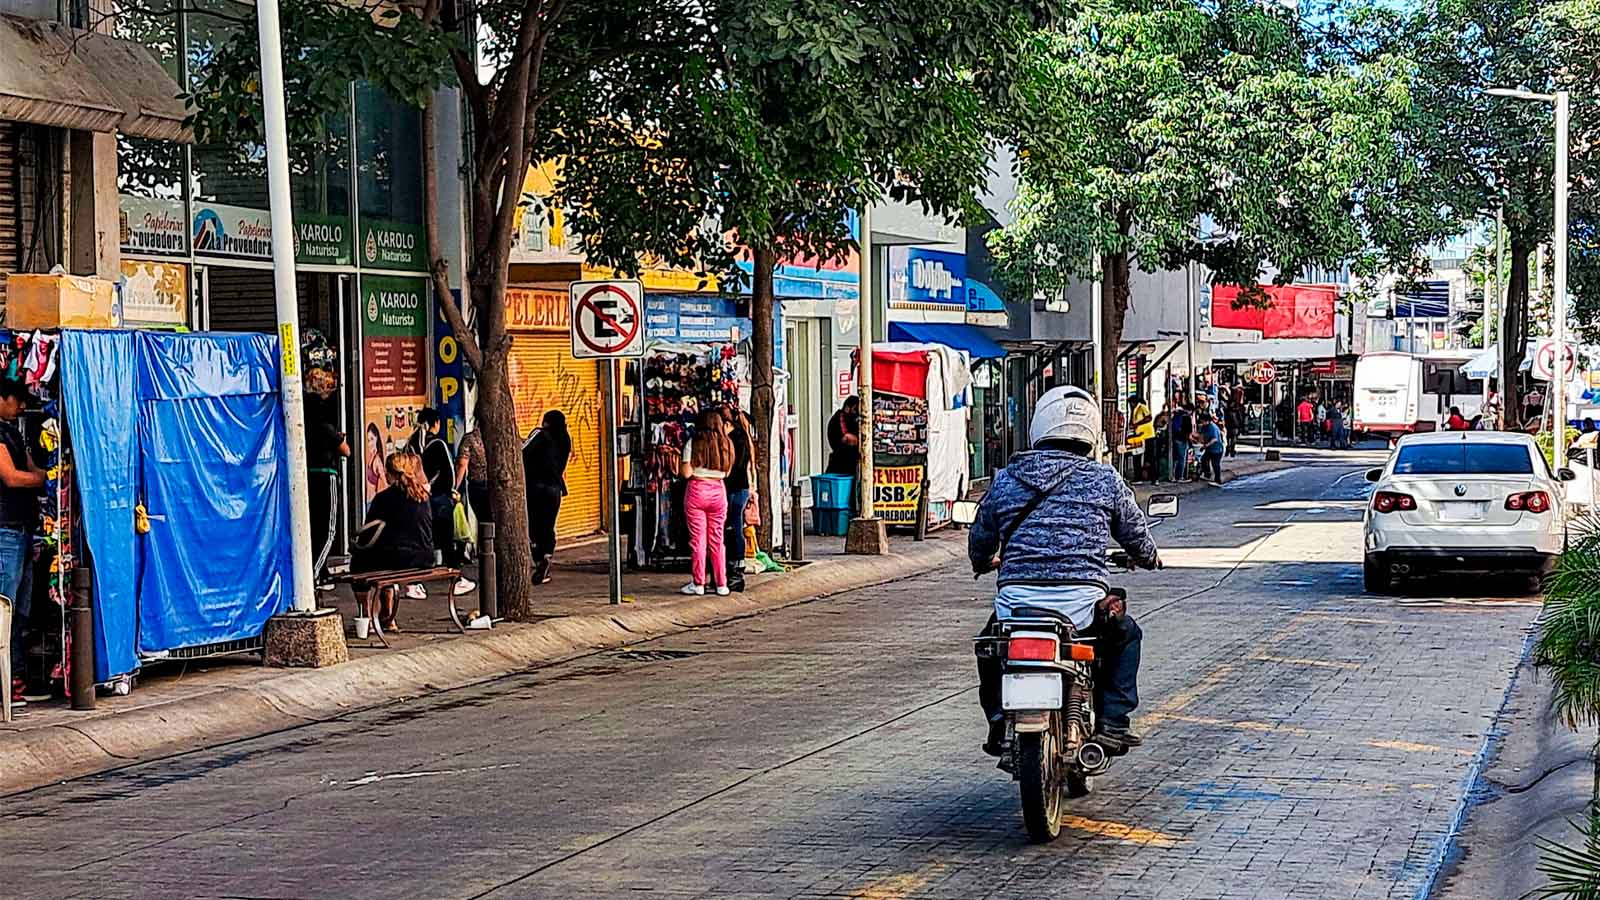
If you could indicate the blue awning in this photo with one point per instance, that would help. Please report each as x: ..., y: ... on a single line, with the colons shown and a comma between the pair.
x: 951, y: 334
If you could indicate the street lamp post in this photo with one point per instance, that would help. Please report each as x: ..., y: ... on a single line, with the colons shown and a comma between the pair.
x: 1558, y: 328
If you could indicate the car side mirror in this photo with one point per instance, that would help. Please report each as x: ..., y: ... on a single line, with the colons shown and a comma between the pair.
x: 1374, y: 474
x: 1566, y: 475
x: 1162, y: 506
x: 964, y: 512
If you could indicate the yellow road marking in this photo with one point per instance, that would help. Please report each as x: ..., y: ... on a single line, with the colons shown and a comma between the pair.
x: 1268, y: 727
x: 897, y: 886
x: 1131, y: 834
x: 1352, y: 620
x: 1319, y: 663
x: 1192, y: 693
x: 1412, y: 747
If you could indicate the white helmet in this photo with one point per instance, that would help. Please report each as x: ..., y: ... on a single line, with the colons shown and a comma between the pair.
x: 1066, y: 414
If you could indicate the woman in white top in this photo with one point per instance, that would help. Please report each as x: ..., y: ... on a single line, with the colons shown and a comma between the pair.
x: 706, y: 461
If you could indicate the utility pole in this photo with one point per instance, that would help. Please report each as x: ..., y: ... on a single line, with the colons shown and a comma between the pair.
x: 1097, y: 317
x: 288, y: 303
x: 306, y: 637
x: 867, y: 535
x: 1558, y: 373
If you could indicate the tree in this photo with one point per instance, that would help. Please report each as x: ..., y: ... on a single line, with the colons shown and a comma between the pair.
x: 1465, y: 153
x: 531, y: 80
x: 1183, y: 112
x: 814, y: 111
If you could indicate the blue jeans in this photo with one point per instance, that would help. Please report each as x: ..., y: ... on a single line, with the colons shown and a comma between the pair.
x: 16, y: 582
x: 737, y: 501
x: 1180, y: 461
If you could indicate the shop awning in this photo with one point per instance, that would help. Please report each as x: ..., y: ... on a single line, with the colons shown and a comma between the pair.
x: 64, y: 78
x: 951, y: 334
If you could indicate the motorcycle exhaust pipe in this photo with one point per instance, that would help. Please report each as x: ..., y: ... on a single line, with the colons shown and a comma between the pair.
x: 1092, y: 757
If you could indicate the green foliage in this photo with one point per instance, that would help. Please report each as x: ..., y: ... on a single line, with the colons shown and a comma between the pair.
x: 1179, y: 111
x: 1573, y: 870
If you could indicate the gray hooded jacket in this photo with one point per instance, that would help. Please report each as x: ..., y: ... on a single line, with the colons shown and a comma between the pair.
x: 1065, y: 539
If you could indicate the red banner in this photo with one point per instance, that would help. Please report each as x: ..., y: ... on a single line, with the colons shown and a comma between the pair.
x: 1296, y: 310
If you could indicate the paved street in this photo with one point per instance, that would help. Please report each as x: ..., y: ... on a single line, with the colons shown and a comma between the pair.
x: 1303, y: 740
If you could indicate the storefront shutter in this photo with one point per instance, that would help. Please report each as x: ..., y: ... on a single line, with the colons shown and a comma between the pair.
x: 242, y: 299
x: 544, y: 376
x: 10, y: 204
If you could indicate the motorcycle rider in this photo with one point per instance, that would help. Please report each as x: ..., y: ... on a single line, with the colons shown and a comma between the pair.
x: 1045, y: 524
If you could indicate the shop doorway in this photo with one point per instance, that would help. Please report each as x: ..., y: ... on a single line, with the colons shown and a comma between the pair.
x: 810, y: 358
x: 239, y: 298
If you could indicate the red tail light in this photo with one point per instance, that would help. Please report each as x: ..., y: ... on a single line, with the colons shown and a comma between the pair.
x: 1389, y: 501
x: 1531, y: 501
x: 1031, y: 649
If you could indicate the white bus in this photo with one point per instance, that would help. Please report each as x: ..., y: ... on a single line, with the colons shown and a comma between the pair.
x: 1399, y: 392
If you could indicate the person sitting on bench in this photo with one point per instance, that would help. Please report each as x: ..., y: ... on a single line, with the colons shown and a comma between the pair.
x: 399, y: 530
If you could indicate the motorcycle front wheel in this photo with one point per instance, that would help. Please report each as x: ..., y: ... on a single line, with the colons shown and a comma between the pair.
x: 1041, y: 776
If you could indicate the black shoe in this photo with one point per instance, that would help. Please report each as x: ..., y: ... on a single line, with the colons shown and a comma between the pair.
x: 1117, y: 743
x: 541, y: 571
x: 997, y: 738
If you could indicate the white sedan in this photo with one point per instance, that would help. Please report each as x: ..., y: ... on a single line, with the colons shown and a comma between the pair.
x: 1463, y: 501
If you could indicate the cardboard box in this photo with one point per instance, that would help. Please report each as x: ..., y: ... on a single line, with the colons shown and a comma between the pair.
x: 60, y: 301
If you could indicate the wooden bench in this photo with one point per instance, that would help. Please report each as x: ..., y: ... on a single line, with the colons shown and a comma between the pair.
x: 371, y: 584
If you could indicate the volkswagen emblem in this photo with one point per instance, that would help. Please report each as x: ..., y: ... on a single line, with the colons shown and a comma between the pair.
x: 1461, y: 490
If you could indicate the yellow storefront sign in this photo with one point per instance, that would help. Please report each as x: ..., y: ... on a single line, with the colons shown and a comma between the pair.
x: 896, y: 493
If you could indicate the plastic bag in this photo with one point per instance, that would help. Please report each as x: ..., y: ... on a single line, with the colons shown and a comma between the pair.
x: 463, y: 522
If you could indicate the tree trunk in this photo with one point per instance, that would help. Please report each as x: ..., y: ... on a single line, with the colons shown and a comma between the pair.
x: 1514, y: 343
x: 1113, y: 314
x: 508, y: 493
x: 762, y: 399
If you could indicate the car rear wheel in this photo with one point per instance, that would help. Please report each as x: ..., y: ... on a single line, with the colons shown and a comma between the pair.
x: 1375, y: 576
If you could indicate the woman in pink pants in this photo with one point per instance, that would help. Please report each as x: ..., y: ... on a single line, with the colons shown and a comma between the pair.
x: 706, y: 460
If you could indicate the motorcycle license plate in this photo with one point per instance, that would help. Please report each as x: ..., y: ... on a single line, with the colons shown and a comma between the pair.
x: 1031, y: 690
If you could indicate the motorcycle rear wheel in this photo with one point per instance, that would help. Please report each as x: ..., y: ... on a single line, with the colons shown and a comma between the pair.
x: 1040, y: 776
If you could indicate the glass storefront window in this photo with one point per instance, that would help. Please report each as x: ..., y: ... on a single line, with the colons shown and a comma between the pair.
x: 389, y: 182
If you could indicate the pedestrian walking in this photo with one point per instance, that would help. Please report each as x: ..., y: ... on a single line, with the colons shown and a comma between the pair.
x: 1305, y: 417
x: 399, y: 531
x: 707, y: 459
x: 1338, y: 431
x: 439, y: 468
x: 21, y: 482
x: 544, y: 471
x: 844, y: 439
x: 1233, y: 419
x: 1456, y: 421
x: 472, y: 474
x: 1212, y: 447
x: 738, y: 488
x: 1182, y: 431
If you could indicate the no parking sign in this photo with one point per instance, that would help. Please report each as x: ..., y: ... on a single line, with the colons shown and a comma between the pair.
x: 607, y: 319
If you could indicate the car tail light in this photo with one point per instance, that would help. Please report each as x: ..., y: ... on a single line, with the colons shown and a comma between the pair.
x: 1532, y: 501
x: 1389, y: 501
x: 1031, y: 649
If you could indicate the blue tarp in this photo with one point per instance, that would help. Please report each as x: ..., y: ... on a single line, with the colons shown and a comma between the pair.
x: 192, y: 424
x: 951, y: 334
x: 214, y: 469
x: 97, y: 387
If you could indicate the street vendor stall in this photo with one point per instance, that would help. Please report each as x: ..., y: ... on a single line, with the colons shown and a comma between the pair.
x: 921, y: 395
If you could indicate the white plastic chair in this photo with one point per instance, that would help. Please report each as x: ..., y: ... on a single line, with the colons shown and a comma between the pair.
x: 5, y: 658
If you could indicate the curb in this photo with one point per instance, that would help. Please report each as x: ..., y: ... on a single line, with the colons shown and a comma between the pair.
x: 1183, y: 488
x: 36, y: 757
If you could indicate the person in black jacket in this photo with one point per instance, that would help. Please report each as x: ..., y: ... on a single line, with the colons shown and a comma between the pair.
x: 844, y: 439
x: 439, y: 467
x: 399, y: 529
x: 325, y: 447
x: 544, y: 465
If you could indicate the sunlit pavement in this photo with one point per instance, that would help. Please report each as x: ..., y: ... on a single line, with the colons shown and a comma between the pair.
x: 1302, y: 740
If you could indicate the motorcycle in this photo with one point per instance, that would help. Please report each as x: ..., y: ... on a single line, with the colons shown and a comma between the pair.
x: 1047, y: 691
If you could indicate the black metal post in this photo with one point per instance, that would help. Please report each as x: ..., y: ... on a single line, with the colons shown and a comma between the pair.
x: 82, y: 639
x: 488, y: 575
x: 922, y: 512
x: 797, y: 523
